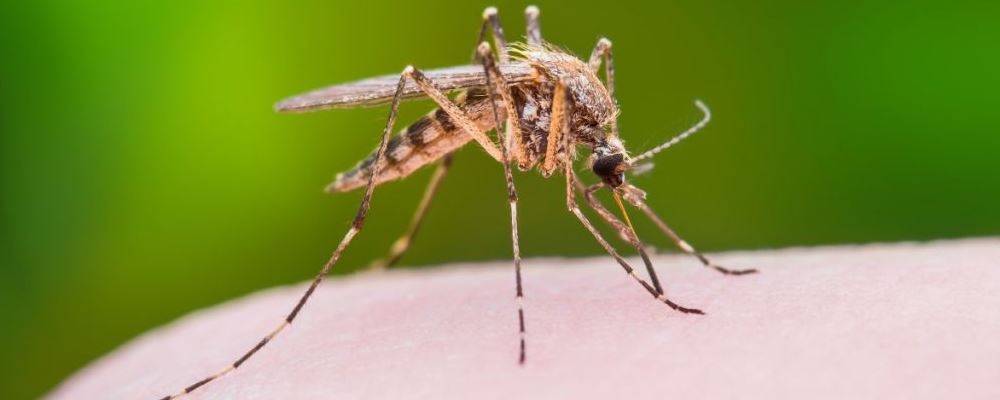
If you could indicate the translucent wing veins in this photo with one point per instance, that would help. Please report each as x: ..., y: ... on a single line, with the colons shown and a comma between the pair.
x: 379, y: 90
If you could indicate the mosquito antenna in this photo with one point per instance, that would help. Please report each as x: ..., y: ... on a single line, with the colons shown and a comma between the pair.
x: 697, y: 127
x: 641, y: 168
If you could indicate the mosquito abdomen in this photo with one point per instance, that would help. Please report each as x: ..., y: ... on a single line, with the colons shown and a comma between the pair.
x: 425, y: 141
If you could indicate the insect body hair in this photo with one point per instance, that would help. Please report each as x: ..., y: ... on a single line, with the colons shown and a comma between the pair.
x: 592, y: 103
x: 593, y: 109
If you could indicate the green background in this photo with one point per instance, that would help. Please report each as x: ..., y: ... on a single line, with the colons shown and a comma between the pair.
x: 144, y: 174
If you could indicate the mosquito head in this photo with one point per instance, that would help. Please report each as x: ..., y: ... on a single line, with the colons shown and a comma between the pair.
x: 610, y: 161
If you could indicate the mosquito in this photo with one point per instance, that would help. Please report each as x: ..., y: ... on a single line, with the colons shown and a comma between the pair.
x: 542, y: 103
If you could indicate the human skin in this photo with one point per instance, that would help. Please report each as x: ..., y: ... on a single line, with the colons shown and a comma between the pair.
x: 896, y: 321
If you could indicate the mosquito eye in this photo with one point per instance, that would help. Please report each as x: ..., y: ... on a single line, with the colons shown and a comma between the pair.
x: 608, y: 165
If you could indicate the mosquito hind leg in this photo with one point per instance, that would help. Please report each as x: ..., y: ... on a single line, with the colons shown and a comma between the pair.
x: 561, y: 109
x: 462, y: 120
x: 401, y: 245
x: 491, y: 19
x: 635, y: 196
x: 495, y: 83
x: 531, y: 22
x: 602, y: 52
x: 356, y: 226
x: 459, y: 117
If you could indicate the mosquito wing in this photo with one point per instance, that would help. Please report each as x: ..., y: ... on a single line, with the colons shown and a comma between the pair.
x: 379, y: 90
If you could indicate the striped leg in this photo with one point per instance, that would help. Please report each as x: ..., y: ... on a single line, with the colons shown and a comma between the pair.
x: 531, y: 21
x: 575, y: 209
x: 623, y: 230
x: 457, y: 115
x: 495, y: 83
x: 561, y: 106
x: 492, y: 19
x: 635, y: 196
x: 356, y: 225
x: 462, y: 120
x: 403, y: 243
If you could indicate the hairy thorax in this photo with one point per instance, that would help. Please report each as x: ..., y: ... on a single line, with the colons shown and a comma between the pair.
x: 591, y: 106
x: 435, y: 135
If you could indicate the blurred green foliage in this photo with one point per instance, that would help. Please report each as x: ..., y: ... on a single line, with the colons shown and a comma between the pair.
x: 145, y: 175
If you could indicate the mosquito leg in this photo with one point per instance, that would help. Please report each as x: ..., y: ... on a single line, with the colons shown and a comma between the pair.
x: 457, y: 115
x: 575, y: 209
x: 491, y: 19
x: 534, y: 31
x: 403, y: 243
x: 512, y: 139
x: 356, y: 225
x: 611, y: 219
x: 634, y: 196
x: 621, y: 228
x: 560, y: 110
x: 495, y: 83
x: 602, y: 51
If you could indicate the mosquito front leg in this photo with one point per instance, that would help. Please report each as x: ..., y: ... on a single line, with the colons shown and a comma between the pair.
x: 531, y: 22
x: 561, y: 105
x: 625, y: 232
x: 356, y: 226
x: 575, y: 209
x: 635, y: 196
x: 611, y: 219
x: 496, y: 83
x: 401, y: 245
